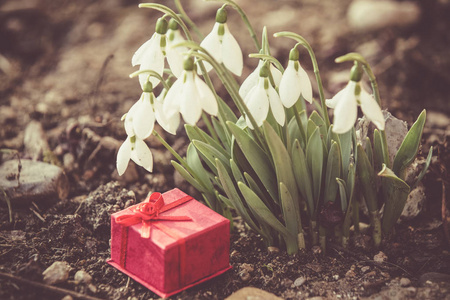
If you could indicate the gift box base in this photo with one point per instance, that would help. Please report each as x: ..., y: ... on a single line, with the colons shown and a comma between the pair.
x: 155, y: 290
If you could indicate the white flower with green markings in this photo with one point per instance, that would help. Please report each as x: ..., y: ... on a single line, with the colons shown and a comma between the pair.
x: 222, y: 45
x: 253, y: 78
x: 137, y: 150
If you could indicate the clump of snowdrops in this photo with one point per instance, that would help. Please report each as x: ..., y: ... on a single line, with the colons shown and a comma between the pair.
x: 295, y: 178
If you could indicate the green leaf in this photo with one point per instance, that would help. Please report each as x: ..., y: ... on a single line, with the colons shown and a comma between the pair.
x: 237, y: 174
x: 409, y: 147
x: 342, y: 193
x: 222, y: 133
x: 281, y: 160
x: 367, y: 179
x: 233, y: 196
x: 317, y: 119
x: 368, y: 150
x: 211, y: 153
x: 396, y: 191
x: 251, y: 183
x: 346, y: 150
x: 425, y: 168
x: 185, y: 174
x: 200, y: 174
x: 378, y: 157
x: 310, y: 127
x: 225, y: 112
x: 314, y: 159
x: 302, y: 175
x: 195, y: 133
x: 258, y: 159
x: 265, y: 215
x: 290, y: 210
x: 333, y: 171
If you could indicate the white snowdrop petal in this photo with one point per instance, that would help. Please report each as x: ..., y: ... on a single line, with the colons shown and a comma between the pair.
x: 175, y: 56
x: 189, y: 102
x: 211, y: 43
x: 346, y: 110
x: 276, y: 74
x: 128, y: 123
x: 141, y: 52
x: 144, y: 118
x: 331, y: 103
x: 207, y: 99
x: 250, y: 82
x: 153, y: 60
x: 232, y: 53
x: 276, y: 106
x: 289, y: 86
x: 143, y: 155
x: 305, y: 85
x: 371, y: 109
x: 123, y: 156
x: 171, y: 104
x: 257, y: 104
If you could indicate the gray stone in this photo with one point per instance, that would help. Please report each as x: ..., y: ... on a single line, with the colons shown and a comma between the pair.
x: 82, y: 276
x: 380, y: 257
x: 36, y: 181
x: 58, y: 272
x: 434, y: 277
x: 366, y: 15
x: 35, y: 141
x: 252, y: 293
x: 414, y: 203
x: 299, y: 281
x: 405, y: 282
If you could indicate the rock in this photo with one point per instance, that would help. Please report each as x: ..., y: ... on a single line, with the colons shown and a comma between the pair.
x: 366, y: 15
x: 252, y: 293
x: 67, y: 297
x: 299, y: 281
x: 272, y: 249
x: 58, y: 272
x: 404, y: 282
x: 247, y: 267
x: 35, y: 141
x: 82, y: 276
x: 414, y: 203
x: 365, y: 269
x: 244, y: 275
x: 434, y: 277
x: 38, y: 182
x: 380, y: 257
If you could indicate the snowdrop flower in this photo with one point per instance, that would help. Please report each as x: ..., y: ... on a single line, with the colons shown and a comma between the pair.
x: 252, y: 80
x: 152, y: 53
x: 175, y: 55
x: 345, y: 104
x: 261, y: 97
x: 189, y: 95
x: 168, y: 122
x: 221, y: 44
x: 140, y: 119
x: 294, y: 82
x: 135, y: 149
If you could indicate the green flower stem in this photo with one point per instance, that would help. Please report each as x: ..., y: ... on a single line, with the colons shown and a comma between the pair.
x: 376, y: 224
x: 188, y: 20
x: 300, y: 126
x: 171, y: 13
x: 153, y: 74
x: 323, y: 238
x: 306, y: 45
x: 245, y: 19
x: 210, y: 127
x: 269, y: 58
x: 314, y: 233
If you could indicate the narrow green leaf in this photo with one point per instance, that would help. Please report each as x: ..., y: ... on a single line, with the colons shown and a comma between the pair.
x: 314, y: 159
x: 211, y: 153
x: 346, y: 150
x: 185, y: 174
x: 367, y: 179
x: 368, y: 150
x: 317, y: 119
x: 251, y: 183
x: 282, y: 160
x: 223, y: 134
x: 425, y: 168
x: 409, y: 147
x: 195, y: 133
x: 396, y: 191
x: 200, y: 174
x: 258, y: 159
x: 302, y: 176
x: 333, y: 171
x: 265, y: 215
x: 378, y: 157
x: 351, y: 178
x: 226, y: 112
x: 237, y: 174
x: 310, y: 127
x: 290, y: 210
x: 342, y: 193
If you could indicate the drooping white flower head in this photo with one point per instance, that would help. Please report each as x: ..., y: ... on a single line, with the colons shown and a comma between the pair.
x: 150, y: 56
x: 135, y: 149
x: 140, y: 119
x: 175, y: 56
x: 189, y: 95
x: 169, y: 123
x: 252, y: 80
x: 345, y: 104
x: 294, y: 82
x: 261, y: 97
x: 222, y: 45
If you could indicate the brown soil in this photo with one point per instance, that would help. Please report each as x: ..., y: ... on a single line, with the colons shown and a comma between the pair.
x: 65, y: 64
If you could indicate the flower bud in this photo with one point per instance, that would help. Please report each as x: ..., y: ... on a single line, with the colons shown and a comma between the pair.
x: 356, y: 72
x: 161, y: 26
x: 221, y: 15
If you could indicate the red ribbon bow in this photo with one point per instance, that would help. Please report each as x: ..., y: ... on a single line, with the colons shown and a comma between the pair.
x: 149, y: 211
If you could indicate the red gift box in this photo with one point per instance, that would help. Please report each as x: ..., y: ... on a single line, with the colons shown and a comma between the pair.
x: 170, y: 242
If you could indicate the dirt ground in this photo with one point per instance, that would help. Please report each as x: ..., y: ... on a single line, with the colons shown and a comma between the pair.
x: 65, y: 64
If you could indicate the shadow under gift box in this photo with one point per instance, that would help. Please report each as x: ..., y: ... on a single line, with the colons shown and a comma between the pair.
x: 179, y: 253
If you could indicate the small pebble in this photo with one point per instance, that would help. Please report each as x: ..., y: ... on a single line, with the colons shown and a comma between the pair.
x: 299, y: 281
x: 67, y: 297
x: 244, y: 275
x: 350, y: 274
x: 316, y: 250
x: 247, y: 267
x: 365, y: 269
x: 82, y: 277
x: 56, y: 273
x: 273, y: 249
x: 380, y: 257
x: 286, y: 282
x: 405, y: 282
x: 336, y: 277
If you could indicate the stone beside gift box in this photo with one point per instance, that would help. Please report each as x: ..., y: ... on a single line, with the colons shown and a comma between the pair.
x: 170, y: 242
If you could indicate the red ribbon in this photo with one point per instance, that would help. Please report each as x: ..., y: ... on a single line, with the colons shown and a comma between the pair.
x: 149, y: 211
